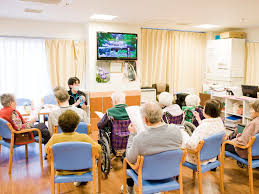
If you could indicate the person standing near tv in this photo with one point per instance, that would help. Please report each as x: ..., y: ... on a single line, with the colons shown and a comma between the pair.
x: 77, y: 97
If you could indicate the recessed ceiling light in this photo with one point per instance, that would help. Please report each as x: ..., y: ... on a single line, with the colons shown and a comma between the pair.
x: 102, y: 17
x: 28, y: 10
x: 44, y: 1
x: 206, y: 26
x: 243, y: 20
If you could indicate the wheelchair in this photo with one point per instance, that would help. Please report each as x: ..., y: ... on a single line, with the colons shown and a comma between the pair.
x: 113, y: 140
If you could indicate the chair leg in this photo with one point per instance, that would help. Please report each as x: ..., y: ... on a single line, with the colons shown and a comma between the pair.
x: 221, y: 167
x: 251, y: 184
x: 124, y: 176
x: 10, y: 159
x: 58, y: 188
x: 199, y: 178
x: 41, y: 160
x: 52, y: 187
x: 193, y: 175
x: 26, y: 151
x: 99, y: 174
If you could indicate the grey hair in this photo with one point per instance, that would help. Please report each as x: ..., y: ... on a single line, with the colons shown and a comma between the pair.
x: 119, y: 97
x: 192, y: 100
x: 255, y: 105
x: 152, y: 112
x: 61, y: 94
x: 6, y: 99
x: 165, y: 98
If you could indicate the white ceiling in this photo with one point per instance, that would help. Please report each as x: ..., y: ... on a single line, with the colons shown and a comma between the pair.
x: 147, y: 13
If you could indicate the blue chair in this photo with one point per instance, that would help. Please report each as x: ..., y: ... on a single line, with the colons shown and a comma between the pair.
x: 49, y: 99
x: 7, y: 132
x: 81, y: 128
x: 155, y: 173
x: 23, y: 101
x: 253, y: 150
x: 207, y: 149
x: 71, y: 156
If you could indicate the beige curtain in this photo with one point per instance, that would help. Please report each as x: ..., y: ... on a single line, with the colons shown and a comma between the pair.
x: 173, y: 57
x: 66, y: 59
x: 252, y: 64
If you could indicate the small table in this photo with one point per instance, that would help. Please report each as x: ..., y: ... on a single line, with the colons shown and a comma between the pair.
x: 43, y: 111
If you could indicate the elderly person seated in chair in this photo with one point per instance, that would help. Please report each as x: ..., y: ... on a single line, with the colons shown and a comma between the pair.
x: 10, y: 114
x: 63, y: 101
x: 250, y: 130
x: 157, y: 137
x: 68, y: 122
x: 211, y: 125
x: 117, y: 112
x: 193, y: 109
x: 170, y: 111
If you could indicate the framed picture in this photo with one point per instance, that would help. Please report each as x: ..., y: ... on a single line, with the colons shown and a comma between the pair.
x: 116, y: 67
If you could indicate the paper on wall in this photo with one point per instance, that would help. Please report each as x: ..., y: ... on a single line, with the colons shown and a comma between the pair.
x: 136, y: 118
x: 99, y: 114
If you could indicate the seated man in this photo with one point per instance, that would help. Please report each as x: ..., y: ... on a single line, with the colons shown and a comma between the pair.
x: 62, y: 99
x: 117, y: 112
x: 68, y: 122
x: 77, y: 97
x: 157, y: 137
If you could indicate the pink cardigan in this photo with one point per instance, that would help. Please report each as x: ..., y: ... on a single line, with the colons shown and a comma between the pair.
x: 250, y: 130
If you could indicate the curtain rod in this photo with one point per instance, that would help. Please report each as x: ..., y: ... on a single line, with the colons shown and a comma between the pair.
x: 252, y: 41
x: 171, y: 30
x: 31, y: 37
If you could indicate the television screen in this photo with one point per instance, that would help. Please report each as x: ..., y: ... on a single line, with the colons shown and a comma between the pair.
x: 250, y: 91
x: 116, y: 46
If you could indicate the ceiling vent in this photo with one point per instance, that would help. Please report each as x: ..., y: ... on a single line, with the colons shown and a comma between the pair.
x: 44, y: 1
x: 27, y: 10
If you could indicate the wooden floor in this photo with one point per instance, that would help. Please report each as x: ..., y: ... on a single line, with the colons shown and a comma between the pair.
x: 27, y: 177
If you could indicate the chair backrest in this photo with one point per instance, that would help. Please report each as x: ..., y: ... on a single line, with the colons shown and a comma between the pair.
x: 81, y: 128
x: 50, y: 99
x: 23, y: 101
x: 211, y: 147
x: 4, y: 129
x: 162, y: 165
x: 72, y: 155
x: 255, y: 146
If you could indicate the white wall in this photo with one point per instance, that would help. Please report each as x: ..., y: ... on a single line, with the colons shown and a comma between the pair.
x: 252, y: 34
x: 29, y: 28
x: 116, y: 79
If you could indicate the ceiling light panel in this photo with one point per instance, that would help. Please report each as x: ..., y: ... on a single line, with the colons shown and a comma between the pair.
x: 102, y: 17
x: 206, y: 26
x: 44, y: 1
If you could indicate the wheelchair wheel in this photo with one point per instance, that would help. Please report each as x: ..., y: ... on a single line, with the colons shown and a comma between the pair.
x: 106, y: 159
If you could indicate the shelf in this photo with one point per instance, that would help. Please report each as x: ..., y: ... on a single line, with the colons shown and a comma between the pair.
x: 234, y: 114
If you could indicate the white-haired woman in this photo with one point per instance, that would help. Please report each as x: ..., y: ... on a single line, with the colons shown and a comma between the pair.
x: 193, y: 110
x: 172, y: 113
x: 117, y: 112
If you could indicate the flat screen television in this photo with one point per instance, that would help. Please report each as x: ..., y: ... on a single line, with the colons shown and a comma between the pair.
x: 116, y: 46
x: 250, y: 91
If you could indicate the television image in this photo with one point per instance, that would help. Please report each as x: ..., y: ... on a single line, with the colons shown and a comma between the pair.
x: 111, y: 46
x: 250, y: 91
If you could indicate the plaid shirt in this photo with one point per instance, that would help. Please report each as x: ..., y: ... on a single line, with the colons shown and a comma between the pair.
x: 169, y: 119
x: 120, y: 134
